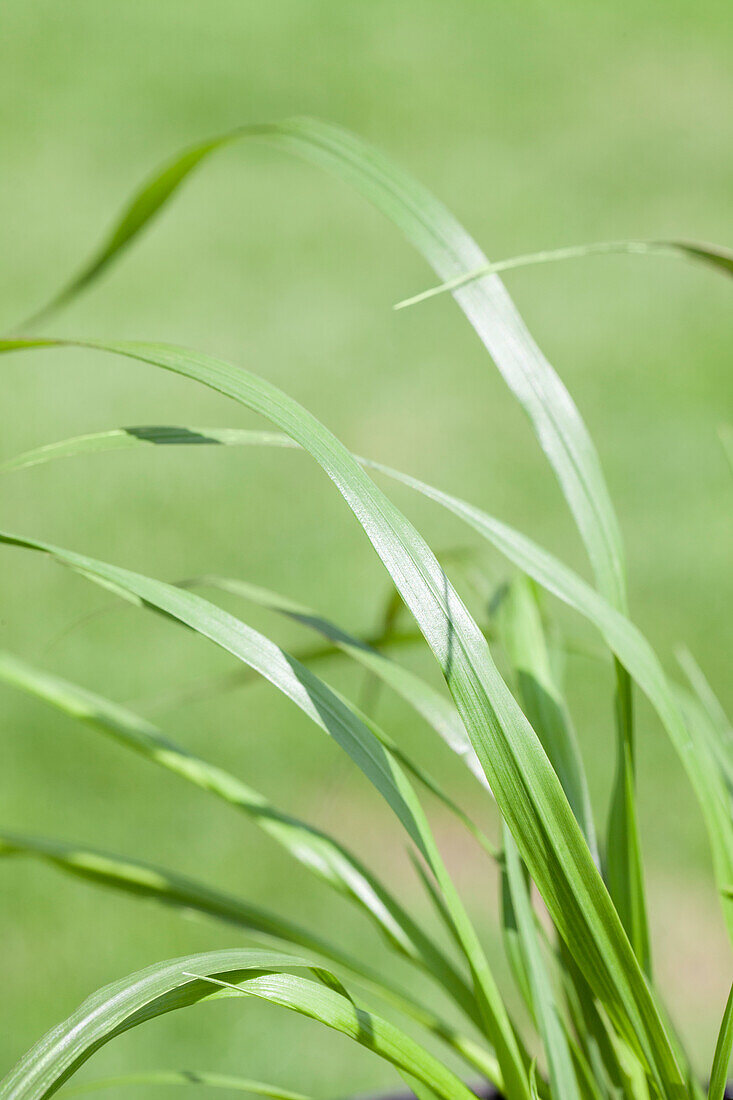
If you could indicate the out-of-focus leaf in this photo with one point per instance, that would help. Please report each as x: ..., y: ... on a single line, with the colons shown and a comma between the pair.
x: 721, y: 259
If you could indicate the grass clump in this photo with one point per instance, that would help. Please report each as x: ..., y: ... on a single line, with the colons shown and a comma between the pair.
x: 588, y: 984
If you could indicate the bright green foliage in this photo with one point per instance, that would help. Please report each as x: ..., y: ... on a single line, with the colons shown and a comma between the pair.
x: 602, y: 1028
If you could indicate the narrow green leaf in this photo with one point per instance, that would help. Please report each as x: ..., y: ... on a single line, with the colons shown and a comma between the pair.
x: 721, y: 259
x: 624, y: 872
x: 721, y: 1058
x: 512, y: 944
x: 169, y: 986
x: 523, y: 636
x: 122, y: 439
x: 624, y: 640
x: 522, y: 779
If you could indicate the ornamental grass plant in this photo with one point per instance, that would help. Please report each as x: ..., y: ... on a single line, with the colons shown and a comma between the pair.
x: 573, y: 908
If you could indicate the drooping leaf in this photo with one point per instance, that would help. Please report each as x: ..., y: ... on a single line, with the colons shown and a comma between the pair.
x: 168, y: 986
x: 331, y: 713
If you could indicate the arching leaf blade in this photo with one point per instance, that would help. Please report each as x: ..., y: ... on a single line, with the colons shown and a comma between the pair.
x: 168, y: 987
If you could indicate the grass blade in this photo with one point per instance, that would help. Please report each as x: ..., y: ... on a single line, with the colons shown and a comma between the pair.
x: 625, y: 641
x: 451, y: 252
x: 720, y: 259
x: 169, y: 986
x: 524, y: 640
x: 122, y: 439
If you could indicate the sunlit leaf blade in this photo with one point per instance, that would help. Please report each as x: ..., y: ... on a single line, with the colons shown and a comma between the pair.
x: 186, y: 1077
x: 168, y: 986
x: 147, y: 881
x: 453, y: 254
x: 137, y: 214
x: 721, y: 259
x: 599, y: 1044
x: 315, y: 849
x: 721, y: 1058
x: 523, y: 636
x: 143, y: 880
x: 429, y: 782
x: 450, y: 251
x: 563, y: 1083
x: 512, y: 944
x: 331, y: 713
x: 522, y: 779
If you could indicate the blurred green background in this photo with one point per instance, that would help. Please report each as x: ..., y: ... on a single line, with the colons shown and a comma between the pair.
x: 540, y: 125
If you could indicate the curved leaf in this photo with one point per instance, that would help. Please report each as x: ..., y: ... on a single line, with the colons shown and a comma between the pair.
x: 169, y: 986
x: 721, y: 259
